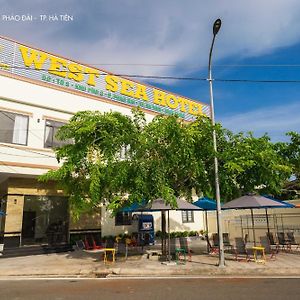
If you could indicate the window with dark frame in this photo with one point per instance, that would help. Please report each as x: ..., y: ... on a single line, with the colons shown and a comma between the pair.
x: 51, y: 129
x: 14, y: 128
x: 123, y: 218
x: 187, y: 216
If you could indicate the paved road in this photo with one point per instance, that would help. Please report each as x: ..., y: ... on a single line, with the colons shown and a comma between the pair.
x: 162, y: 289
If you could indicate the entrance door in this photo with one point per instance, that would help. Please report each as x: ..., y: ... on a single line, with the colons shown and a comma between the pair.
x: 45, y: 220
x: 28, y: 226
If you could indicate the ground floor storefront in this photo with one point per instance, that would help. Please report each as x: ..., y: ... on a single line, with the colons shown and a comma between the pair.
x: 38, y: 214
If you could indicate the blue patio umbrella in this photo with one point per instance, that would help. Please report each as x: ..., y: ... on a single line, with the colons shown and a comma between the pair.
x: 133, y: 207
x: 206, y: 204
x: 160, y: 205
x: 286, y: 204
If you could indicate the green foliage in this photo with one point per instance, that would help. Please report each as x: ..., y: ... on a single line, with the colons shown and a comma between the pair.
x: 291, y: 152
x: 178, y: 234
x: 250, y: 164
x: 117, y: 160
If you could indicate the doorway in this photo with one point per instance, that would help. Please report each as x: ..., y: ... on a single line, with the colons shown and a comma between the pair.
x: 28, y: 226
x: 45, y: 220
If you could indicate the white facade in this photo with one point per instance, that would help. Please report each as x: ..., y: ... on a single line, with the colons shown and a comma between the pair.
x: 176, y: 223
x: 35, y: 102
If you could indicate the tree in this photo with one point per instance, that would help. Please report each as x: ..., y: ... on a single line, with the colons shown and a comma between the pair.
x: 253, y: 164
x: 92, y: 169
x: 290, y: 151
x: 117, y: 160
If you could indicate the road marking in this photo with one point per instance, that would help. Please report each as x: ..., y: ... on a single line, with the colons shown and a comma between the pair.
x: 146, y: 278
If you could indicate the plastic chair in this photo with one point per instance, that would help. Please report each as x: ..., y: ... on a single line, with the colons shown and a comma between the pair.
x: 273, y: 244
x: 213, y: 248
x: 185, y: 246
x: 80, y: 245
x: 122, y: 248
x: 215, y: 238
x: 226, y: 242
x: 90, y: 244
x: 95, y: 246
x: 87, y: 244
x: 265, y: 242
x: 291, y: 239
x: 285, y: 244
x: 240, y: 248
x: 246, y: 238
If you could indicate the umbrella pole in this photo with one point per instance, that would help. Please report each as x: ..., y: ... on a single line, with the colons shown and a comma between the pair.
x: 253, y: 230
x: 169, y: 238
x: 163, y: 230
x: 242, y: 227
x: 268, y: 226
x: 206, y: 233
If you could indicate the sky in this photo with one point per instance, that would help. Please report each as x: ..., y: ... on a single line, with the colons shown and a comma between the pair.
x: 258, y: 40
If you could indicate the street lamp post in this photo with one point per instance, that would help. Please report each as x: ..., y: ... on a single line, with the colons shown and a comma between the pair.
x: 216, y: 28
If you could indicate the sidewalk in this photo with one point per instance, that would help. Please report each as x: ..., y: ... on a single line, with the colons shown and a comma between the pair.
x: 82, y: 264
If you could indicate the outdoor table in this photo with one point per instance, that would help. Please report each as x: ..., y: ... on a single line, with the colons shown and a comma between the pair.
x: 262, y: 250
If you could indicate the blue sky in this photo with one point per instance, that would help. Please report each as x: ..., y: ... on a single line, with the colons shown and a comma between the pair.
x: 259, y: 40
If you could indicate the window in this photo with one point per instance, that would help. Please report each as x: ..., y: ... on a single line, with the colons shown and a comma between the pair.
x: 123, y: 218
x: 187, y: 216
x: 13, y: 128
x: 50, y: 134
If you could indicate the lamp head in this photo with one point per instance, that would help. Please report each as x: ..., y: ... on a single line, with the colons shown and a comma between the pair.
x: 217, y: 26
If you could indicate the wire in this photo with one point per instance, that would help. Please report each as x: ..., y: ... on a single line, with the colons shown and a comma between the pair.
x: 132, y: 64
x: 161, y: 77
x: 257, y: 80
x: 198, y: 66
x: 171, y: 77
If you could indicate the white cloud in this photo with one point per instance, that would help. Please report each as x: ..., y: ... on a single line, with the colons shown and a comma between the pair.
x: 275, y: 121
x: 169, y: 32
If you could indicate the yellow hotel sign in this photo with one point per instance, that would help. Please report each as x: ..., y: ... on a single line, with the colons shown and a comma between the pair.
x: 71, y: 75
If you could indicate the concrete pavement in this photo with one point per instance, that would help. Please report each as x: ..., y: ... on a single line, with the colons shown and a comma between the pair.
x: 83, y: 264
